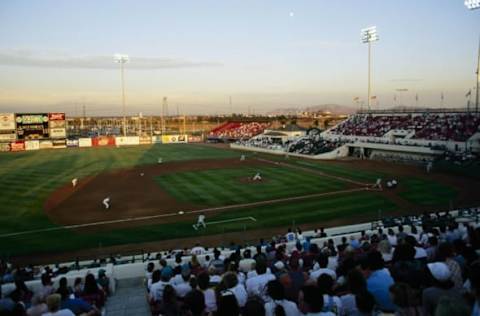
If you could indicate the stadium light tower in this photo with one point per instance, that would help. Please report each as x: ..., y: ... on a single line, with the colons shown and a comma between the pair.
x: 473, y: 5
x: 122, y: 60
x: 369, y: 35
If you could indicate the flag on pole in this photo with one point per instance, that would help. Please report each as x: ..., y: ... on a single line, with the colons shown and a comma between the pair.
x: 356, y: 99
x: 469, y: 93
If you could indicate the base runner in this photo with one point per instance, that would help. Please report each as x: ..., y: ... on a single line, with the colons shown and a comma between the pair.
x: 106, y: 203
x: 200, y: 222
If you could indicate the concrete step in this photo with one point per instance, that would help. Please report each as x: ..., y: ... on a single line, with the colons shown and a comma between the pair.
x: 129, y: 299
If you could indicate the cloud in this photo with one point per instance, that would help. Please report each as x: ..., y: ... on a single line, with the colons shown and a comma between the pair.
x: 51, y: 60
x: 406, y: 80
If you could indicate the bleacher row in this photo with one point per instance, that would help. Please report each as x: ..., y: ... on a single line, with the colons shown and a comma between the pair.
x: 278, y: 254
x: 238, y: 130
x: 429, y: 126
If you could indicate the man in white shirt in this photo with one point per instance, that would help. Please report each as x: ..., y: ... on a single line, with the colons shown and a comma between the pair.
x: 246, y: 264
x: 257, y: 286
x: 106, y: 202
x: 198, y: 250
x: 323, y: 263
x: 74, y: 182
x: 184, y: 287
x: 156, y: 290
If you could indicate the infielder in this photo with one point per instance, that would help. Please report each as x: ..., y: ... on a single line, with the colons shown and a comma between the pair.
x: 378, y: 184
x: 106, y: 202
x: 429, y: 166
x: 242, y: 157
x: 257, y: 177
x: 74, y: 182
x: 160, y: 160
x: 200, y: 222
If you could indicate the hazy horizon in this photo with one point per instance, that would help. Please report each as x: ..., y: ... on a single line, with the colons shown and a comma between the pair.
x: 57, y: 56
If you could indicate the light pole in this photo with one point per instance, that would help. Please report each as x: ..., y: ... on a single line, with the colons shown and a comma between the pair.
x: 369, y: 35
x: 472, y: 5
x: 122, y: 60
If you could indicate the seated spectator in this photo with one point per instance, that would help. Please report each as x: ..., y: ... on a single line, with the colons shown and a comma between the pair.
x: 405, y: 268
x: 365, y: 303
x: 442, y: 286
x: 156, y: 290
x: 254, y: 307
x: 78, y: 287
x: 195, y: 303
x: 445, y: 254
x: 448, y: 306
x: 331, y: 302
x: 21, y: 293
x: 169, y: 305
x: 230, y: 283
x: 184, y: 287
x: 405, y: 299
x: 53, y: 303
x: 279, y: 305
x: 209, y: 294
x: 47, y: 286
x: 92, y: 293
x: 379, y: 281
x: 103, y: 281
x: 256, y: 285
x: 227, y: 304
x: 310, y: 302
x: 38, y: 308
x: 356, y: 284
x: 76, y: 305
x: 322, y: 261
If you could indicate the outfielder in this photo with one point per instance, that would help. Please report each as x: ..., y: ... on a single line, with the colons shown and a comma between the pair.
x: 200, y: 222
x: 160, y: 160
x: 74, y: 182
x: 106, y: 202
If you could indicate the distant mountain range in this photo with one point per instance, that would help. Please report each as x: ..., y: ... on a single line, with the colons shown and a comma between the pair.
x: 333, y: 108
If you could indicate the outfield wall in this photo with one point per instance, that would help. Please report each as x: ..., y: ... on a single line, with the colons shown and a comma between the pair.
x: 340, y: 152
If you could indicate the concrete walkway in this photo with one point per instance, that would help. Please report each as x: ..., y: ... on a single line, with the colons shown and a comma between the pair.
x: 128, y: 300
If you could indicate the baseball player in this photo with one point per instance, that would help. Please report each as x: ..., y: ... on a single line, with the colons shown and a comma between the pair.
x: 160, y: 160
x: 200, y: 222
x: 74, y: 182
x: 378, y: 184
x: 106, y: 202
x: 242, y: 158
x: 429, y: 166
x: 257, y: 177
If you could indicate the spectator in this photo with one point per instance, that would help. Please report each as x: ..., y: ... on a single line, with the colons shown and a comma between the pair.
x: 92, y: 294
x: 331, y: 302
x: 38, y: 308
x: 169, y: 305
x: 209, y: 294
x: 230, y: 283
x: 356, y: 284
x: 227, y: 304
x: 53, y: 303
x: 195, y: 302
x: 379, y: 281
x: 310, y: 302
x: 254, y: 307
x: 403, y: 297
x: 279, y: 305
x: 257, y: 284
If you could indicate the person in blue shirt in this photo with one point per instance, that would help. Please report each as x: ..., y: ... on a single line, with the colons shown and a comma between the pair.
x: 379, y: 281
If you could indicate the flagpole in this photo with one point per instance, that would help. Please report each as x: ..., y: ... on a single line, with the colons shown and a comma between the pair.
x: 478, y: 76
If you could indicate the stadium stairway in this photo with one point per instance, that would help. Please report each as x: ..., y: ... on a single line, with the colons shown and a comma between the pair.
x: 128, y: 300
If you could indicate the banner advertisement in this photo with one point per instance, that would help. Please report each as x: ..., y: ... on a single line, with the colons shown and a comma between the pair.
x: 56, y: 124
x: 128, y: 140
x: 157, y: 139
x: 72, y: 142
x: 59, y: 143
x: 17, y: 146
x: 56, y: 116
x: 173, y: 139
x: 32, y: 126
x: 194, y: 139
x: 46, y: 144
x: 103, y: 141
x: 58, y: 133
x: 7, y: 121
x: 145, y: 140
x: 4, y: 146
x: 84, y: 142
x: 32, y: 145
x: 8, y: 137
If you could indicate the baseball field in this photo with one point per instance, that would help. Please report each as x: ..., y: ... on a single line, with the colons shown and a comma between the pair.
x: 41, y: 213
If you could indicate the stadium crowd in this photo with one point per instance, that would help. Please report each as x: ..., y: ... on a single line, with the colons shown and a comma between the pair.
x: 313, y: 145
x: 430, y: 126
x: 416, y: 265
x: 235, y: 130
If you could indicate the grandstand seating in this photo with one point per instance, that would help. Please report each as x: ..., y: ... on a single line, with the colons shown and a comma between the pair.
x: 430, y: 126
x: 426, y: 238
x: 237, y: 130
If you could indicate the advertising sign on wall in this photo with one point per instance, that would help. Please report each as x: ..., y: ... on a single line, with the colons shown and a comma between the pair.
x: 72, y: 142
x: 173, y: 139
x: 128, y: 140
x: 103, y: 141
x: 58, y: 133
x: 8, y: 136
x: 17, y: 146
x: 59, y: 143
x: 194, y: 139
x: 46, y: 144
x: 85, y: 142
x: 4, y: 146
x: 145, y: 140
x: 32, y: 145
x: 7, y: 121
x: 32, y: 126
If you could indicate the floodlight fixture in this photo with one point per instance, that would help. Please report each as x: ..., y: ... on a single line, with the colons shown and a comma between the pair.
x: 369, y: 35
x: 122, y: 59
x: 472, y: 4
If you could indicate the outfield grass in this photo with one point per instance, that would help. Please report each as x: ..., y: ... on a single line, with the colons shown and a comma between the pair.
x: 426, y: 192
x: 28, y: 178
x: 218, y: 187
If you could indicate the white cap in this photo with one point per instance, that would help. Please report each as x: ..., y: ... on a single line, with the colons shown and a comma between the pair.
x: 279, y: 265
x: 440, y: 271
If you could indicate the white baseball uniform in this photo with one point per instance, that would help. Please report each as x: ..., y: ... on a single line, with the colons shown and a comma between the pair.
x: 257, y: 177
x: 106, y: 203
x: 74, y: 182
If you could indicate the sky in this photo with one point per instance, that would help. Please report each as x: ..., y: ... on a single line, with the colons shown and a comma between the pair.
x: 261, y: 54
